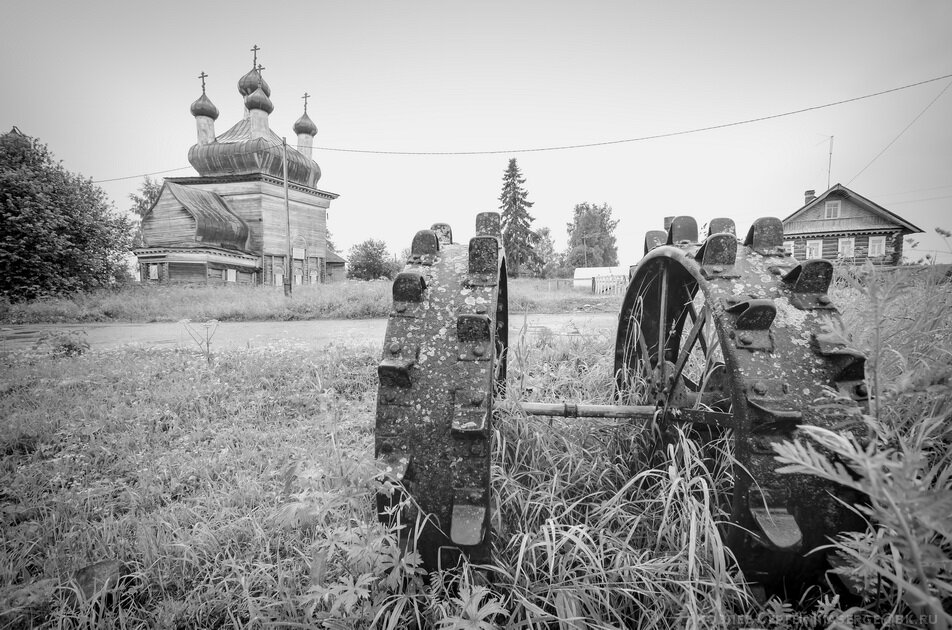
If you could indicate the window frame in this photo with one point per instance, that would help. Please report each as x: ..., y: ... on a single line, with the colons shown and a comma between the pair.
x: 832, y: 204
x: 153, y: 271
x: 818, y: 243
x: 231, y: 275
x: 877, y: 239
x: 852, y: 247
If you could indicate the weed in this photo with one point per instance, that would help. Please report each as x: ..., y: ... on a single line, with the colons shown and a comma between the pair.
x: 62, y: 343
x: 344, y: 300
x: 901, y: 566
x: 203, y: 337
x: 241, y: 493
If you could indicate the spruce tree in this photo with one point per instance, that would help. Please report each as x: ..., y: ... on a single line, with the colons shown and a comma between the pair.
x: 517, y: 235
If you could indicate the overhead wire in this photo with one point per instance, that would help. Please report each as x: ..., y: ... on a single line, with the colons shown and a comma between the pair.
x: 182, y: 168
x: 648, y: 137
x: 565, y: 147
x: 904, y: 130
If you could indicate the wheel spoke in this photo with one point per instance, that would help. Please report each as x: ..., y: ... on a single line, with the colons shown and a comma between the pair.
x: 662, y: 323
x: 688, y: 344
x: 694, y: 315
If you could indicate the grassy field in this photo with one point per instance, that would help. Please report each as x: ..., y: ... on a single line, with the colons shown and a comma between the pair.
x: 239, y: 493
x: 345, y: 300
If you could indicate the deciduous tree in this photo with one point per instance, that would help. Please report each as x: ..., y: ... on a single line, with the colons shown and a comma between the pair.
x: 141, y: 203
x: 592, y: 236
x: 517, y: 235
x: 550, y: 262
x: 58, y: 231
x: 369, y: 260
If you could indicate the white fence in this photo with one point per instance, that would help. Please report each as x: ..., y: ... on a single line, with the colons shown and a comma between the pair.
x: 609, y: 285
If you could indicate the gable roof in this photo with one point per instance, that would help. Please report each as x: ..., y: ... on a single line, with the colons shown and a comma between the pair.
x: 841, y: 191
x: 215, y: 223
x: 333, y: 257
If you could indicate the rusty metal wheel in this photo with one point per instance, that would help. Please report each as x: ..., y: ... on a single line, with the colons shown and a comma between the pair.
x: 741, y: 341
x: 444, y: 359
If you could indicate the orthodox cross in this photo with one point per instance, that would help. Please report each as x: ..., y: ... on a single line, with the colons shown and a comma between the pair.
x: 259, y: 68
x: 305, y: 97
x: 255, y: 50
x: 202, y: 76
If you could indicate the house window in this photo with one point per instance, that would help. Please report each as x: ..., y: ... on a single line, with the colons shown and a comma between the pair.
x: 788, y: 247
x: 153, y: 272
x: 877, y: 246
x: 831, y: 210
x: 232, y: 275
x: 814, y: 249
x: 845, y: 248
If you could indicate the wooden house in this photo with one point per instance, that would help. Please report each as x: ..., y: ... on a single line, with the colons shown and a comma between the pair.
x: 336, y: 267
x: 841, y: 224
x: 239, y: 220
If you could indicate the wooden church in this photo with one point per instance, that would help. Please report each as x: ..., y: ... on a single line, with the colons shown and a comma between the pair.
x: 254, y: 202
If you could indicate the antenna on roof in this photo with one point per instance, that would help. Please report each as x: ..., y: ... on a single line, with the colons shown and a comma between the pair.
x: 829, y: 168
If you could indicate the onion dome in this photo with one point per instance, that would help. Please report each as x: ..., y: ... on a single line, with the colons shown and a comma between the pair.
x: 251, y: 82
x: 259, y: 100
x: 304, y: 124
x: 204, y: 107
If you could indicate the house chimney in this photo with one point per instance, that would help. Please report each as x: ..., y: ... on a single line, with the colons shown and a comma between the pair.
x: 808, y: 196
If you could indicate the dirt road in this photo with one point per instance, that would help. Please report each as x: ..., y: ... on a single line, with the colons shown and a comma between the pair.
x: 313, y: 334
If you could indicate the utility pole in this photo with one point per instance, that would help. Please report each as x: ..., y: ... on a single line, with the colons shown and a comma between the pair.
x: 585, y: 238
x: 289, y: 264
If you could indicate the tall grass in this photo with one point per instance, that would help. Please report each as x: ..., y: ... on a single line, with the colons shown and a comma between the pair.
x: 342, y: 300
x: 901, y: 566
x: 171, y: 303
x: 239, y: 493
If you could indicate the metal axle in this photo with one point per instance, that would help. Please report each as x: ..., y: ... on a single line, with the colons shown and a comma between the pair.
x: 573, y: 410
x: 634, y: 412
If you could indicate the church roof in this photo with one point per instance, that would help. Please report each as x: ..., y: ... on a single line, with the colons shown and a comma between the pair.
x: 304, y: 124
x: 215, y: 223
x: 203, y: 106
x: 239, y: 151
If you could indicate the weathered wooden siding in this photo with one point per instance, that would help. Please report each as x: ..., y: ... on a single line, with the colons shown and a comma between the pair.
x: 187, y: 272
x: 261, y: 205
x: 336, y: 272
x: 830, y: 249
x: 852, y: 217
x: 168, y: 224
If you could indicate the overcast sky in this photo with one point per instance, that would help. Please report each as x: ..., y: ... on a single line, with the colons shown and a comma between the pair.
x: 107, y: 85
